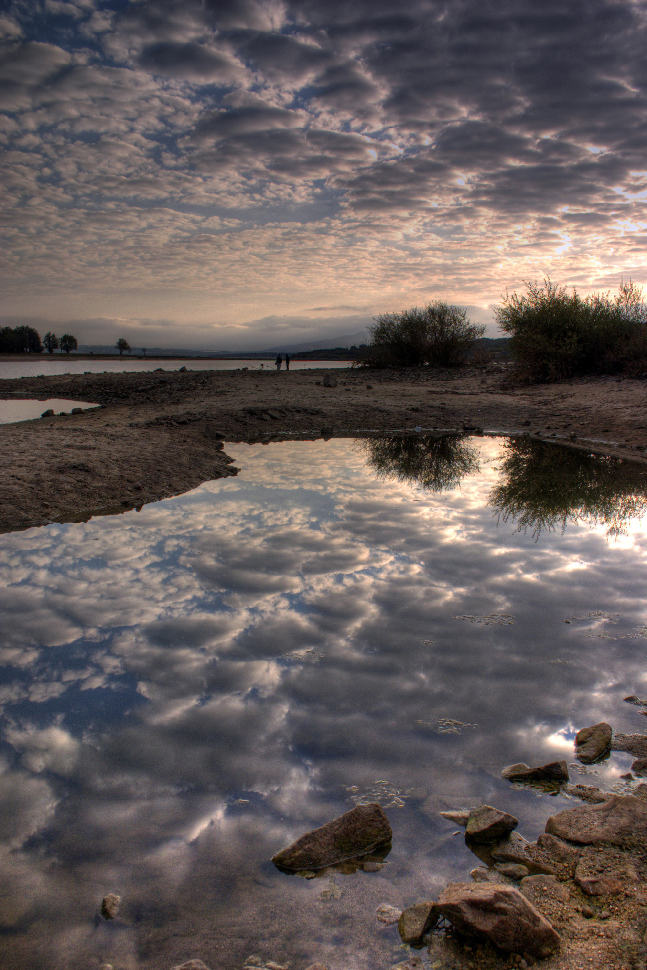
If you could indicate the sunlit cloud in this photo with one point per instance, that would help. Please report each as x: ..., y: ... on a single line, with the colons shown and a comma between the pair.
x: 158, y: 155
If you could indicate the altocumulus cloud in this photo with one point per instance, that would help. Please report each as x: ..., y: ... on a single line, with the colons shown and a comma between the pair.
x: 213, y: 162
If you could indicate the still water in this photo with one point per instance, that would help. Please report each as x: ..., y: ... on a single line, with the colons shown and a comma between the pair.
x: 43, y: 364
x: 26, y: 410
x: 188, y: 688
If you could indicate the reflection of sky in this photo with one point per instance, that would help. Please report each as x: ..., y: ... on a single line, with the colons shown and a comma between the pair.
x: 17, y: 410
x: 187, y: 688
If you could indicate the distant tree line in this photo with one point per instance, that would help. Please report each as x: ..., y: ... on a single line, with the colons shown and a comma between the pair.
x: 26, y: 340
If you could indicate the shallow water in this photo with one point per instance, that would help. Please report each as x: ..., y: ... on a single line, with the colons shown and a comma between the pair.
x: 44, y: 365
x: 27, y: 410
x: 188, y: 688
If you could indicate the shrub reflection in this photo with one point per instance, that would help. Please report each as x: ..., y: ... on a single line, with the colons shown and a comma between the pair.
x: 434, y: 462
x: 547, y: 486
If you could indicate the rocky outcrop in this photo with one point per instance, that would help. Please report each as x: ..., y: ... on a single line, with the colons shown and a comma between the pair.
x: 499, y: 914
x: 593, y: 742
x: 356, y: 833
x: 487, y: 824
x: 621, y: 820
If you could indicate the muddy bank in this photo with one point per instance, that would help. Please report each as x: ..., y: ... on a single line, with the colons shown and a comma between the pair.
x: 147, y: 441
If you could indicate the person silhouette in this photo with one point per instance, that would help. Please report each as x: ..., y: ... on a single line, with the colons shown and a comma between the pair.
x: 287, y: 362
x: 278, y: 362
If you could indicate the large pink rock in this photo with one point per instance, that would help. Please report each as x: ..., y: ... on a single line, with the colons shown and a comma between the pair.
x: 620, y: 820
x: 356, y: 833
x: 499, y: 914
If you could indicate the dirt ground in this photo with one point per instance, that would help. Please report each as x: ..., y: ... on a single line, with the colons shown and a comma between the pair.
x: 148, y: 441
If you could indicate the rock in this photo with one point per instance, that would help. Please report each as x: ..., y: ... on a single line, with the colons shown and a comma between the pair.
x: 499, y: 914
x: 326, y: 432
x: 191, y: 965
x: 555, y: 855
x: 602, y: 870
x: 330, y: 380
x: 556, y: 771
x: 317, y: 966
x: 416, y: 921
x: 110, y: 906
x: 76, y: 411
x: 388, y: 914
x: 182, y: 370
x: 621, y: 820
x: 458, y: 818
x: 635, y: 744
x: 356, y: 833
x: 592, y: 742
x: 639, y: 767
x: 513, y: 870
x: 482, y: 874
x: 586, y: 792
x: 211, y: 431
x: 487, y: 824
x: 49, y: 413
x: 634, y: 699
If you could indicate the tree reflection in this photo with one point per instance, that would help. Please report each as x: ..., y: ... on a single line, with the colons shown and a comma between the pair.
x: 547, y: 486
x: 435, y: 463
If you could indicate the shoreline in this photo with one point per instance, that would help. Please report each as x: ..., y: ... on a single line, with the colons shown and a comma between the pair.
x: 147, y: 441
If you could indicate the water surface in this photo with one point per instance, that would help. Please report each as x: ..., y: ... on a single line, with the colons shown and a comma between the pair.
x: 44, y: 365
x: 188, y: 688
x: 28, y: 409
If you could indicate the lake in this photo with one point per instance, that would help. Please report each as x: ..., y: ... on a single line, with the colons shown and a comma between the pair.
x: 46, y: 365
x: 188, y: 688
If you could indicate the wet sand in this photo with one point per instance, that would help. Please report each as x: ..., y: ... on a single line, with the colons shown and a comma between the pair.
x: 148, y: 439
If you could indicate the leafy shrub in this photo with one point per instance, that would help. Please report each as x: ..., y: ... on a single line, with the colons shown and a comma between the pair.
x: 557, y: 335
x: 438, y: 334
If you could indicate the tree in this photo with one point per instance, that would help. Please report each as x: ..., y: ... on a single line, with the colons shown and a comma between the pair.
x: 50, y: 342
x: 27, y: 341
x: 122, y: 345
x: 439, y: 335
x: 68, y: 343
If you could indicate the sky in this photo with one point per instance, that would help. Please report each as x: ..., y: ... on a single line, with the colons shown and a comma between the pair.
x: 239, y: 174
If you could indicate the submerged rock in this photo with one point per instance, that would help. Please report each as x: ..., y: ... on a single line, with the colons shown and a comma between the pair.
x: 556, y: 771
x: 191, y: 965
x: 592, y: 742
x: 621, y: 820
x: 416, y: 921
x: 487, y: 824
x: 499, y: 914
x: 110, y: 906
x: 356, y: 833
x: 459, y: 817
x: 387, y: 914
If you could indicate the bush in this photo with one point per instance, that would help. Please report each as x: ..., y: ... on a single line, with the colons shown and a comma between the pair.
x: 557, y: 335
x: 439, y: 335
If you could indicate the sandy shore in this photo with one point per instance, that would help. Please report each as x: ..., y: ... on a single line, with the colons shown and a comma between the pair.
x: 148, y: 440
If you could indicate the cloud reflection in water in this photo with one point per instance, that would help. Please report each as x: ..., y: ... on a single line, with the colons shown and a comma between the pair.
x: 188, y: 688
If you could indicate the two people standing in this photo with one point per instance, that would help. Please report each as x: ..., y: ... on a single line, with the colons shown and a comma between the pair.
x: 279, y: 361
